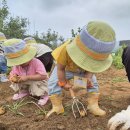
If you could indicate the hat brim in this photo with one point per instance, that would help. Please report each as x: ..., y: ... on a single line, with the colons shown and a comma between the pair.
x: 3, y: 40
x: 22, y: 59
x: 85, y: 62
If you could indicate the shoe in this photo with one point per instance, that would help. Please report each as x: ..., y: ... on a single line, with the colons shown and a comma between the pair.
x: 20, y: 95
x: 57, y: 107
x: 43, y: 100
x: 3, y: 78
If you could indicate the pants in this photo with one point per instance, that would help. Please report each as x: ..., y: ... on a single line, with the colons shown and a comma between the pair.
x: 55, y: 89
x: 35, y: 88
x: 47, y: 60
x: 3, y: 64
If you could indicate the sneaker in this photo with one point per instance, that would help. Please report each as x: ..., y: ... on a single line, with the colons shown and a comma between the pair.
x: 3, y: 78
x: 20, y: 95
x: 43, y: 100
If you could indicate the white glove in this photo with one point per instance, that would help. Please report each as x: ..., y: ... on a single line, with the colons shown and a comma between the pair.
x: 122, y: 117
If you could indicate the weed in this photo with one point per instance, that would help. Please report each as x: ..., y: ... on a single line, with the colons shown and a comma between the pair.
x: 118, y: 79
x: 15, y: 107
x: 18, y: 104
x: 41, y: 112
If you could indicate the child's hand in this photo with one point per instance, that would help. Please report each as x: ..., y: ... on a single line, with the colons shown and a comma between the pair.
x: 89, y: 76
x: 14, y: 79
x: 23, y: 78
x: 89, y: 83
x: 67, y: 86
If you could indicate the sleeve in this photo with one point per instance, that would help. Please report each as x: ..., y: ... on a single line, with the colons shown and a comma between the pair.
x: 62, y: 59
x: 60, y: 53
x: 13, y: 71
x: 40, y: 68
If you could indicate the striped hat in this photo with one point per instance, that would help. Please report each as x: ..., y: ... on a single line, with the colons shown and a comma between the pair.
x: 17, y: 52
x: 91, y: 49
x: 29, y: 40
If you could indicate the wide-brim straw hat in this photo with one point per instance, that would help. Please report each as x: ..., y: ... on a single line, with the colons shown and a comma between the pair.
x: 17, y: 52
x: 91, y: 49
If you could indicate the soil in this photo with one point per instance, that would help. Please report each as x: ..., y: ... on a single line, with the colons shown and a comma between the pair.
x: 114, y: 90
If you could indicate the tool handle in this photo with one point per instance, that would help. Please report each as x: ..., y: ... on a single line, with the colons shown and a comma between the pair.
x: 72, y: 93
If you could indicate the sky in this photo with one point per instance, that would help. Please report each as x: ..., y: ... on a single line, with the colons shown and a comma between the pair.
x: 64, y: 15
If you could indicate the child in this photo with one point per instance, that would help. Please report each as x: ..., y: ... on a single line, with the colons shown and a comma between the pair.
x: 30, y: 74
x: 43, y: 53
x: 3, y: 62
x: 87, y: 54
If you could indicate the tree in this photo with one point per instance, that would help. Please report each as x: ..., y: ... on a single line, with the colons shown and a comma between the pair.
x: 16, y: 27
x: 75, y: 33
x: 3, y: 14
x: 52, y: 39
x: 12, y: 27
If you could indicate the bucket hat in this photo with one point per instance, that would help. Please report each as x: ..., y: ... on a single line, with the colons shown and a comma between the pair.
x: 91, y: 49
x: 17, y: 52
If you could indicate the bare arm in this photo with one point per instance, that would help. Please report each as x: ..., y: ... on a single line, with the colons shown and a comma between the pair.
x: 61, y: 76
x: 61, y: 73
x: 36, y: 77
x: 89, y: 76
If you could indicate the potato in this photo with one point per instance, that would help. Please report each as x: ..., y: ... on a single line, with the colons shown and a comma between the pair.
x: 15, y: 79
x: 82, y: 113
x: 2, y: 110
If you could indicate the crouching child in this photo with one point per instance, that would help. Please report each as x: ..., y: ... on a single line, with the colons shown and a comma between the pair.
x: 28, y: 75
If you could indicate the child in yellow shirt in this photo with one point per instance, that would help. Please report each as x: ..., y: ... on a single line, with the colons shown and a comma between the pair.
x: 88, y: 53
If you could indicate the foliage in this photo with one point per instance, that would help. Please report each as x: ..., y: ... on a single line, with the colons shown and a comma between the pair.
x: 51, y: 38
x: 15, y: 107
x: 3, y: 14
x: 16, y: 27
x: 117, y: 58
x: 41, y: 112
x: 75, y: 33
x: 118, y: 79
x: 12, y: 27
x: 20, y: 103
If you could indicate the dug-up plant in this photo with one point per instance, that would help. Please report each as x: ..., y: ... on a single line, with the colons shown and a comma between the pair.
x: 15, y: 107
x: 18, y: 104
x: 117, y: 58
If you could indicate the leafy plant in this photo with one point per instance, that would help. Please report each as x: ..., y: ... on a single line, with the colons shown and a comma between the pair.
x: 118, y: 79
x: 117, y: 58
x: 15, y: 107
x: 41, y: 112
x: 18, y: 104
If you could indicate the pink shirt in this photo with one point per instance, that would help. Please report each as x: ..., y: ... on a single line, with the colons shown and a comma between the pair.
x: 34, y: 67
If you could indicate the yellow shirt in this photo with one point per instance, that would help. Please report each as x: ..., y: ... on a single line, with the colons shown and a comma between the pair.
x: 61, y: 56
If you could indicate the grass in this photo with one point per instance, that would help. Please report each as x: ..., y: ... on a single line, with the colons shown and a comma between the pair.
x: 15, y: 107
x: 118, y: 79
x: 41, y: 112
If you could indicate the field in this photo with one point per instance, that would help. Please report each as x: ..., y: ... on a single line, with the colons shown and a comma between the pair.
x: 25, y: 115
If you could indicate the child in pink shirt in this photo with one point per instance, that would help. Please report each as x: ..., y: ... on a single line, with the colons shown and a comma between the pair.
x: 31, y: 74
